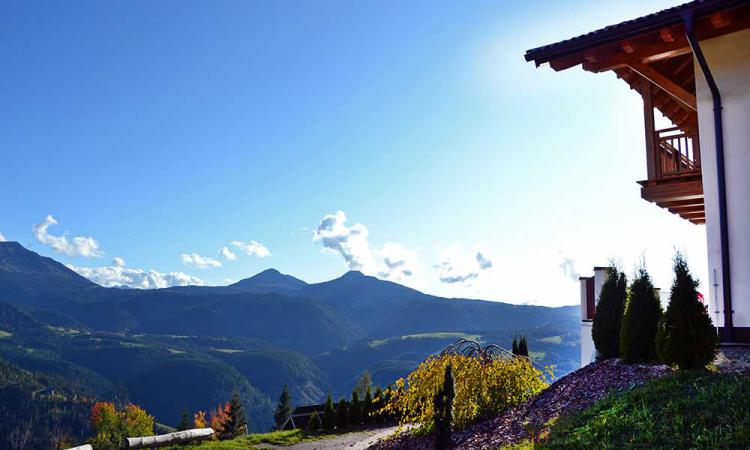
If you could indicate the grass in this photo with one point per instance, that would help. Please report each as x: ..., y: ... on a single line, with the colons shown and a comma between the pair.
x: 281, y: 438
x: 5, y: 334
x: 552, y: 339
x: 378, y: 342
x: 174, y: 351
x: 687, y: 410
x: 228, y: 350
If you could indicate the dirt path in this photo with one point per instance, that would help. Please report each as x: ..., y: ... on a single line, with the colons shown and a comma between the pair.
x: 359, y: 440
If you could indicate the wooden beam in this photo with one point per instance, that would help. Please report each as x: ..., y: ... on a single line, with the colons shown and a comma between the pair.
x: 669, y: 86
x: 666, y: 35
x: 627, y: 46
x: 648, y: 120
x: 682, y: 203
x: 722, y: 19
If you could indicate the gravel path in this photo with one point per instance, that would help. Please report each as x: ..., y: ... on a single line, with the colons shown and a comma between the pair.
x: 359, y: 440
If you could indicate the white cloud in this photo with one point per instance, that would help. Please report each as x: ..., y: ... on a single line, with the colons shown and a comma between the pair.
x: 393, y: 261
x: 117, y: 276
x: 568, y: 268
x: 227, y: 254
x: 457, y: 266
x: 2, y: 238
x: 198, y: 261
x: 118, y: 262
x: 252, y: 248
x: 77, y: 246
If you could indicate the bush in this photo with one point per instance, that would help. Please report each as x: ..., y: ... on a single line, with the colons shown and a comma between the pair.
x: 686, y: 337
x: 329, y: 414
x: 482, y: 387
x: 641, y: 319
x: 314, y: 423
x: 609, y: 311
x: 443, y: 406
x: 111, y: 426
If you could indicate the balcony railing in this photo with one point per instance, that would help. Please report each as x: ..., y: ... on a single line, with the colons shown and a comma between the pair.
x: 678, y: 153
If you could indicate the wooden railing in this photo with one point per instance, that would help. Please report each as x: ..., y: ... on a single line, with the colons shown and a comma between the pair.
x: 677, y: 152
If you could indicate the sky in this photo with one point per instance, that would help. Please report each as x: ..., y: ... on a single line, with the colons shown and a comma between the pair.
x: 150, y: 144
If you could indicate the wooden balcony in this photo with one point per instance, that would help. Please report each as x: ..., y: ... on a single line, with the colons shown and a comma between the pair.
x: 675, y: 181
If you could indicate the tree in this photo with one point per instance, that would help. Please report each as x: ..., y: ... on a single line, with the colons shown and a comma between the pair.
x: 609, y: 311
x: 640, y: 321
x: 313, y: 424
x: 378, y: 402
x: 523, y: 347
x: 355, y: 412
x: 111, y: 426
x: 515, y: 345
x: 342, y: 414
x: 329, y: 414
x: 367, y: 407
x: 283, y: 409
x: 184, y: 421
x: 199, y: 420
x: 685, y: 336
x: 237, y: 425
x: 135, y: 421
x: 443, y: 410
x: 363, y: 383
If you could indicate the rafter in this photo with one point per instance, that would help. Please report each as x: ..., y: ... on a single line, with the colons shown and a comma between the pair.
x: 667, y: 85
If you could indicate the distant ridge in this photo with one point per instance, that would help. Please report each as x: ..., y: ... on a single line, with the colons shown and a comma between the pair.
x: 271, y: 280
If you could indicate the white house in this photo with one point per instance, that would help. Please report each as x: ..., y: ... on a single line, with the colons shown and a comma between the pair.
x: 692, y: 63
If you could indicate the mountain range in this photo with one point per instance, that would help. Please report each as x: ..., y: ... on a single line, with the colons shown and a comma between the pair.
x: 191, y: 346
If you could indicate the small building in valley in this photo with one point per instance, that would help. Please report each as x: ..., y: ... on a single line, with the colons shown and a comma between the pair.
x: 691, y: 63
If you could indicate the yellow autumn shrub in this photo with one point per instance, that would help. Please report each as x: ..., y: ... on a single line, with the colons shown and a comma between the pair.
x: 483, y: 387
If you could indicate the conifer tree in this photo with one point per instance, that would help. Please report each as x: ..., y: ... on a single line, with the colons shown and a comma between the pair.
x: 686, y: 336
x: 313, y: 424
x: 523, y: 347
x: 329, y: 414
x: 237, y: 425
x: 515, y: 345
x: 283, y: 408
x: 443, y: 411
x: 185, y: 422
x: 355, y: 411
x: 342, y: 414
x: 640, y: 321
x: 378, y: 402
x: 609, y: 311
x: 367, y: 407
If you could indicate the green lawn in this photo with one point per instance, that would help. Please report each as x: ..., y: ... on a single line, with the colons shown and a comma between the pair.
x: 282, y: 438
x: 552, y: 339
x: 5, y: 334
x: 688, y: 410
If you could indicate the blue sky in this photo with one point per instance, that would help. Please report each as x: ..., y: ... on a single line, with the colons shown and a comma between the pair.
x: 165, y: 131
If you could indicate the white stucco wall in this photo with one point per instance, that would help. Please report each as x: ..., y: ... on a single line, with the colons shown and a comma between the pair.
x: 728, y: 57
x: 588, y: 352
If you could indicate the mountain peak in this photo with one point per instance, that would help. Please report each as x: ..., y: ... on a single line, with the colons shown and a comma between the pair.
x: 270, y: 280
x: 354, y: 274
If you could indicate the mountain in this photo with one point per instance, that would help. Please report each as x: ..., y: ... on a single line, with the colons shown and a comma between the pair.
x: 271, y: 280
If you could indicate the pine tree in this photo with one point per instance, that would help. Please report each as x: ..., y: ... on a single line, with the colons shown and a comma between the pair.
x: 342, y: 415
x: 640, y: 321
x: 523, y: 347
x: 283, y: 409
x: 355, y: 413
x: 329, y: 414
x: 443, y: 411
x: 185, y: 422
x: 515, y: 345
x: 686, y: 336
x: 378, y: 402
x: 237, y: 425
x: 313, y: 424
x: 609, y: 311
x: 367, y: 407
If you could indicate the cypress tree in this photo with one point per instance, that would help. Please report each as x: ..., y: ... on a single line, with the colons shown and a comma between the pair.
x: 686, y: 336
x: 367, y: 406
x: 443, y: 411
x: 313, y: 424
x: 283, y: 409
x: 609, y: 311
x: 329, y: 414
x: 237, y: 425
x: 186, y: 422
x: 523, y: 347
x: 342, y: 415
x: 355, y: 410
x: 641, y: 319
x: 515, y: 345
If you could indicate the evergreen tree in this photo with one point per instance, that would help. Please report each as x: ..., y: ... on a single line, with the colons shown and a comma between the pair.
x: 378, y: 402
x: 685, y: 336
x: 609, y: 311
x: 237, y: 425
x: 367, y: 407
x: 313, y: 424
x: 283, y: 408
x: 641, y: 319
x: 329, y: 414
x: 515, y: 345
x: 342, y: 415
x: 443, y: 411
x: 355, y: 413
x: 363, y: 383
x: 185, y: 421
x: 523, y: 347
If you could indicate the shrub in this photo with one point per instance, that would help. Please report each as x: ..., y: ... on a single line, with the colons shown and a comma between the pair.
x: 329, y: 414
x: 482, y: 387
x: 641, y: 319
x: 111, y: 426
x: 443, y: 406
x: 199, y: 420
x: 608, y: 318
x: 229, y: 420
x: 342, y: 414
x: 314, y: 423
x: 685, y: 336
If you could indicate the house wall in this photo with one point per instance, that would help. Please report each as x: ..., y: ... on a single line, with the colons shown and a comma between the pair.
x: 728, y: 57
x: 588, y: 351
